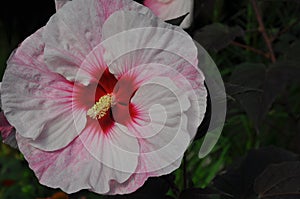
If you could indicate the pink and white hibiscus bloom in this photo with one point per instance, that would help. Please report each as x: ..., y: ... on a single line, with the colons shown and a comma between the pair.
x: 172, y: 9
x: 104, y: 96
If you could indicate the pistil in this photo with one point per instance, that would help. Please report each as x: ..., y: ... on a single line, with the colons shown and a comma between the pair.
x: 101, y: 107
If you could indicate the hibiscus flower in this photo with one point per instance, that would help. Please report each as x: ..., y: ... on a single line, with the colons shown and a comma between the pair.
x: 103, y: 97
x: 172, y: 9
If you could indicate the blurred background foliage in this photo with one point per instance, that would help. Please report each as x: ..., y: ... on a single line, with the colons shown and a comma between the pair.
x: 256, y: 46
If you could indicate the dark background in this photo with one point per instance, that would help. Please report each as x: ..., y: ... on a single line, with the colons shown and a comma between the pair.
x: 256, y: 46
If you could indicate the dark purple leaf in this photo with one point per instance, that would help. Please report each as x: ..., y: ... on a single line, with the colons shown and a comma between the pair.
x: 292, y: 53
x: 279, y: 181
x: 217, y: 36
x: 238, y: 180
x: 156, y: 187
x: 256, y: 88
x: 235, y: 89
x: 278, y: 77
x: 198, y: 193
x: 250, y: 77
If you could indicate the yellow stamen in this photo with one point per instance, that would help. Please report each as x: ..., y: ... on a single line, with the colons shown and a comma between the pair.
x: 101, y: 107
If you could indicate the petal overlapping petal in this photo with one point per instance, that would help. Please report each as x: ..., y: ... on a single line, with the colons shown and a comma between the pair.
x: 171, y: 9
x: 144, y: 43
x: 143, y: 49
x: 73, y: 32
x: 146, y: 39
x: 117, y: 149
x: 164, y: 138
x: 37, y: 102
x: 92, y: 49
x: 138, y: 179
x: 71, y: 168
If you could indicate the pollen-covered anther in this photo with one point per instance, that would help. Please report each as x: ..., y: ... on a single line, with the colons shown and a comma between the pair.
x: 101, y: 107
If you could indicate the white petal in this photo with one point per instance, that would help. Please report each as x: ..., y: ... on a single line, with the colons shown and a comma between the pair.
x: 116, y: 149
x: 138, y: 28
x: 144, y: 39
x: 165, y: 138
x: 60, y: 3
x: 144, y: 48
x: 73, y: 32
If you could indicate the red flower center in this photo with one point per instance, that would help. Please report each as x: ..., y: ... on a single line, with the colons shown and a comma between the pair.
x: 112, y: 100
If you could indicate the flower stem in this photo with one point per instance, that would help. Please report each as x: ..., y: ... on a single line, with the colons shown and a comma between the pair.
x: 284, y: 30
x: 250, y: 48
x: 184, y: 173
x: 263, y: 31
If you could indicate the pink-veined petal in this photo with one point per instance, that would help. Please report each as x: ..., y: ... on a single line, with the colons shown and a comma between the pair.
x: 144, y: 43
x: 117, y: 148
x: 73, y: 32
x: 38, y: 102
x: 72, y: 168
x: 137, y: 179
x: 93, y: 66
x: 123, y: 111
x: 164, y: 138
x: 152, y: 161
x: 171, y: 9
x: 144, y: 39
